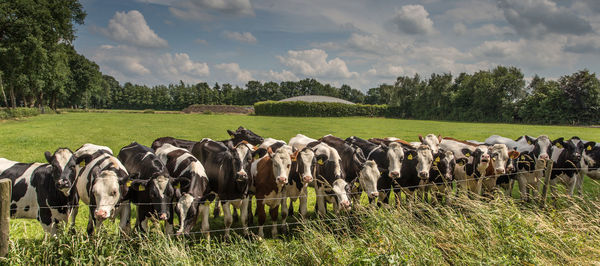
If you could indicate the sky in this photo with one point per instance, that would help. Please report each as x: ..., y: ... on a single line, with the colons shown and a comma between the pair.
x: 359, y: 43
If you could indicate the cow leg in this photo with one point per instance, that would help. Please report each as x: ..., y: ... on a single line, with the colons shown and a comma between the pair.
x: 383, y: 198
x: 73, y: 216
x: 91, y: 221
x: 228, y: 220
x: 217, y: 208
x: 274, y: 212
x: 205, y: 211
x: 262, y: 216
x: 169, y: 222
x: 321, y: 207
x: 244, y: 213
x: 250, y: 218
x: 141, y: 222
x: 284, y: 214
x: 572, y: 184
x: 235, y: 215
x: 303, y: 208
x: 579, y: 184
x: 511, y: 185
x: 523, y: 186
x: 125, y: 217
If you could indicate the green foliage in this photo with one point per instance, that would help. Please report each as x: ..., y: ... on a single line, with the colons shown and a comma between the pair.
x: 18, y: 112
x: 317, y: 109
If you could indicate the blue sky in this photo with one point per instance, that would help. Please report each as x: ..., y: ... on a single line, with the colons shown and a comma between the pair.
x: 360, y: 43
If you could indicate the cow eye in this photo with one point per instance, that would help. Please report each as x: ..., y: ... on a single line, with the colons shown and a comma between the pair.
x: 288, y: 166
x: 113, y: 193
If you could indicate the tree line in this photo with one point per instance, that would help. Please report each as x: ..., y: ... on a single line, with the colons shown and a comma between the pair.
x: 39, y: 67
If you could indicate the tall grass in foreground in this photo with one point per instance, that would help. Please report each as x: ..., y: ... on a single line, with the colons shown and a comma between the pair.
x: 500, y: 231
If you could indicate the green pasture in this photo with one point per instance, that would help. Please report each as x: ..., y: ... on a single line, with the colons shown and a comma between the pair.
x: 26, y: 140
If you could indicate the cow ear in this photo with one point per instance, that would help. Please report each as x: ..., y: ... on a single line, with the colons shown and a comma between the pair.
x: 270, y: 151
x: 529, y: 139
x: 48, y: 156
x: 138, y: 184
x: 421, y: 138
x: 589, y: 145
x: 466, y: 152
x: 181, y: 183
x: 231, y: 133
x: 127, y: 178
x: 559, y: 142
x: 83, y: 158
x: 513, y: 154
x: 462, y: 161
x: 440, y: 138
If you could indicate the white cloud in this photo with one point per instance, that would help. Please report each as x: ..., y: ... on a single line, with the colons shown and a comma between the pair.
x: 459, y: 29
x: 207, y: 9
x: 536, y: 18
x: 233, y: 70
x: 201, y: 41
x: 127, y: 63
x: 584, y: 45
x: 245, y: 37
x: 390, y: 71
x: 131, y: 28
x: 413, y: 19
x: 532, y: 54
x: 313, y: 63
x: 284, y: 75
x: 472, y: 11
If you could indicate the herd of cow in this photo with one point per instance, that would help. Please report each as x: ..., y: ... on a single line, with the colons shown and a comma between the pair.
x: 183, y: 177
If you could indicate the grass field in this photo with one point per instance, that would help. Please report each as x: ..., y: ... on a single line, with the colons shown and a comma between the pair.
x: 498, y: 232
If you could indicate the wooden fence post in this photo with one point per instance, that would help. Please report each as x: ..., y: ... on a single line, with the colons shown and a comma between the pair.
x: 547, y: 175
x: 5, y: 197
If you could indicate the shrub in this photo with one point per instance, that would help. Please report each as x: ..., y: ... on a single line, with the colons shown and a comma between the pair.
x: 148, y: 111
x: 317, y: 109
x: 18, y: 112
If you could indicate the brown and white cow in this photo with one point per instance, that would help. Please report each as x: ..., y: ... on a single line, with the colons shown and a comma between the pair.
x: 472, y: 161
x: 499, y: 165
x: 270, y: 174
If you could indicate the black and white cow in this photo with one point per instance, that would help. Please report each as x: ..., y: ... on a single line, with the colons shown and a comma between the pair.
x: 507, y: 180
x: 241, y: 134
x: 190, y: 182
x: 590, y: 164
x: 43, y: 191
x: 388, y: 156
x: 101, y: 184
x: 361, y: 174
x: 152, y: 191
x: 566, y: 157
x: 330, y: 184
x: 441, y: 175
x: 228, y: 172
x: 304, y: 164
x: 472, y: 160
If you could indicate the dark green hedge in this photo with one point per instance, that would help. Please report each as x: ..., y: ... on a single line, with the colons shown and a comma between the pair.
x: 318, y: 109
x: 18, y: 112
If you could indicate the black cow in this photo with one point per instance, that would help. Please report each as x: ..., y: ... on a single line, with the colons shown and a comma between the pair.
x: 43, y: 191
x: 101, y: 184
x: 152, y: 191
x: 362, y: 176
x: 441, y: 175
x: 241, y: 134
x: 228, y: 176
x: 190, y: 183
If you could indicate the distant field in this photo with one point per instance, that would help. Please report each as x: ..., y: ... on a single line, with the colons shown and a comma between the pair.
x: 26, y: 139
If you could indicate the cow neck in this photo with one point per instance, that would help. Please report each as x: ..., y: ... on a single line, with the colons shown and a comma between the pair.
x: 373, y: 150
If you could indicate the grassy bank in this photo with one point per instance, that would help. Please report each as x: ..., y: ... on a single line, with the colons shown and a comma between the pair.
x: 497, y: 232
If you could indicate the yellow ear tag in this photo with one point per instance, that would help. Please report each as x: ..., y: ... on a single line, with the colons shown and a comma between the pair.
x: 207, y: 203
x: 589, y: 148
x: 467, y: 155
x: 256, y: 156
x: 558, y: 145
x: 529, y: 142
x: 141, y: 188
x: 82, y: 163
x: 128, y: 184
x: 523, y: 157
x: 294, y: 159
x: 178, y: 186
x: 409, y: 157
x: 320, y: 162
x: 461, y: 163
x: 437, y: 159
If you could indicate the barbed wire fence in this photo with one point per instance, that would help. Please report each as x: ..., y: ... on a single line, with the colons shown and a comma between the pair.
x: 320, y: 219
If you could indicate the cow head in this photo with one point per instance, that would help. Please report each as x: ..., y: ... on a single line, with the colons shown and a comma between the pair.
x: 328, y: 161
x: 443, y: 165
x: 424, y: 161
x: 306, y: 163
x: 432, y: 141
x: 591, y: 157
x: 572, y: 149
x: 368, y: 176
x: 499, y: 156
x: 542, y: 148
x: 511, y: 164
x: 245, y: 134
x: 63, y: 164
x: 241, y: 160
x: 477, y: 160
x: 395, y: 155
x: 282, y: 162
x: 342, y: 190
x: 159, y: 192
x: 108, y: 190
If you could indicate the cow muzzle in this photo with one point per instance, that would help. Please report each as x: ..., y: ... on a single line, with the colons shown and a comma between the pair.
x: 307, y: 179
x: 485, y: 158
x: 374, y: 194
x: 394, y: 174
x: 423, y: 174
x: 500, y: 170
x: 510, y: 168
x: 544, y: 156
x: 163, y: 216
x: 281, y: 180
x: 345, y: 205
x: 101, y: 215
